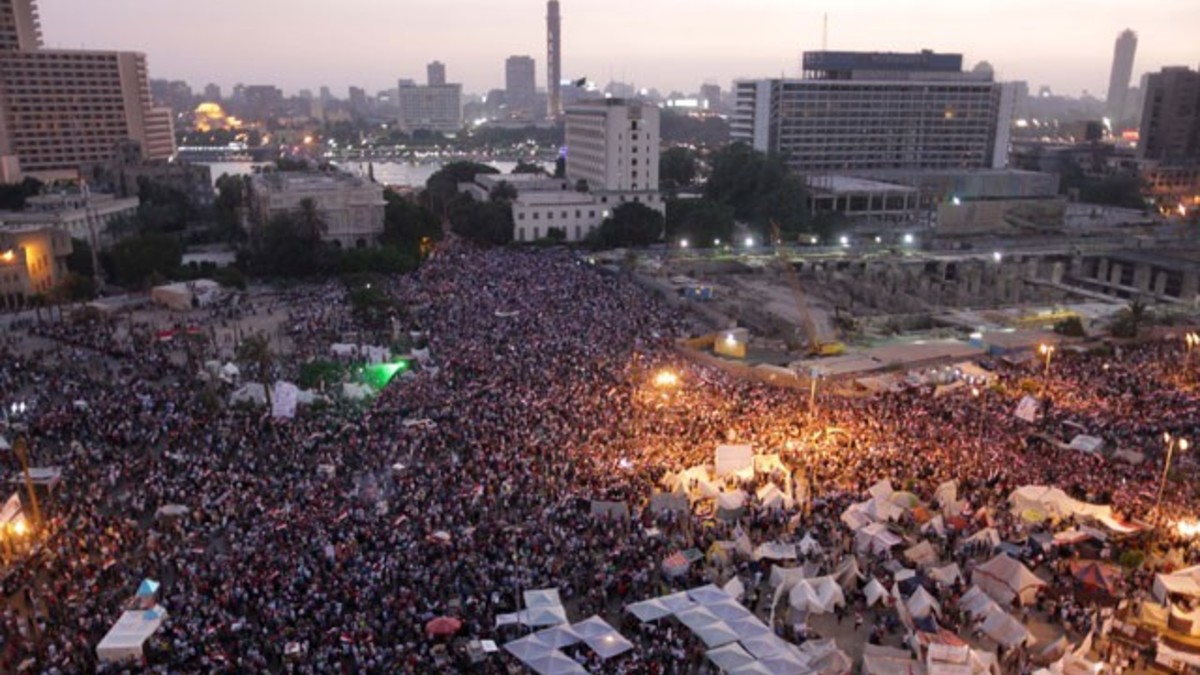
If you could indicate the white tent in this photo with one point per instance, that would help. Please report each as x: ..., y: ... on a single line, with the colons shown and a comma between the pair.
x: 1005, y: 579
x: 1004, y: 629
x: 977, y: 603
x: 716, y: 634
x: 881, y: 490
x: 677, y: 602
x: 554, y: 663
x: 729, y: 657
x: 709, y: 594
x: 808, y: 545
x: 1085, y: 443
x: 921, y: 554
x: 356, y: 392
x: 818, y: 596
x: 875, y: 538
x: 883, y: 509
x: 988, y: 536
x: 874, y: 591
x: 765, y: 645
x: 601, y: 637
x: 768, y: 464
x: 775, y: 551
x: 771, y: 497
x: 732, y: 500
x: 749, y: 627
x: 946, y: 575
x: 855, y: 517
x: 921, y: 603
x: 559, y: 636
x: 1030, y: 501
x: 847, y: 574
x: 648, y: 610
x: 734, y: 588
x: 126, y: 638
x: 251, y: 392
x: 946, y: 495
x: 1182, y: 582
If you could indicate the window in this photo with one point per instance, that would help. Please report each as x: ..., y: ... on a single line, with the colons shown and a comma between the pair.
x: 634, y: 161
x: 564, y: 214
x: 635, y: 173
x: 536, y: 232
x: 637, y: 199
x: 521, y: 215
x: 535, y: 216
x: 521, y: 234
x: 591, y: 214
x: 577, y: 213
x: 604, y: 200
x: 578, y: 232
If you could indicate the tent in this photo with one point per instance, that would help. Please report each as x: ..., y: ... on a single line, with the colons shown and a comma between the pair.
x: 749, y: 627
x: 921, y: 603
x: 1054, y: 503
x: 126, y: 638
x: 883, y: 509
x: 946, y: 575
x: 664, y: 502
x: 734, y: 588
x: 855, y: 517
x: 771, y: 497
x: 819, y: 595
x: 1096, y: 575
x: 875, y: 538
x: 847, y: 573
x: 356, y: 392
x: 251, y: 392
x: 880, y: 660
x: 874, y: 591
x: 1004, y: 629
x: 1006, y: 580
x: 708, y: 594
x: 775, y: 551
x: 946, y: 495
x: 730, y: 504
x: 881, y: 490
x: 808, y: 545
x: 601, y: 637
x: 977, y: 603
x: 648, y: 610
x: 921, y: 554
x: 558, y: 636
x: 1182, y: 582
x: 554, y: 662
x: 988, y: 537
x: 729, y: 657
x: 1085, y: 443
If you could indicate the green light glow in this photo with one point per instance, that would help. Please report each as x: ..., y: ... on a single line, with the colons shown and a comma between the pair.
x: 379, y: 374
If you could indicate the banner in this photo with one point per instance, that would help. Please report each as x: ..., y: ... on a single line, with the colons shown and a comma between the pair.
x: 284, y: 399
x: 12, y: 508
x: 1027, y: 409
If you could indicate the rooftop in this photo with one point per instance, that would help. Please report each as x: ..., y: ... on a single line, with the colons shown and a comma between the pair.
x: 849, y: 184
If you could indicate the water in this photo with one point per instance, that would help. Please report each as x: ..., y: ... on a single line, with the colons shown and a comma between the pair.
x: 400, y: 174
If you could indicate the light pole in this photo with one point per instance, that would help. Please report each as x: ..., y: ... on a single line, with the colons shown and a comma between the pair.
x: 1047, y: 351
x: 1172, y: 442
x: 19, y: 450
x: 813, y: 376
x: 1191, y: 339
x: 977, y: 394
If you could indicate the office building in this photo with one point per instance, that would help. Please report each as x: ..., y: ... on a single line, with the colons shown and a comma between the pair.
x: 435, y: 74
x: 351, y: 206
x: 434, y: 107
x: 520, y: 85
x: 1169, y: 143
x: 81, y: 214
x: 261, y: 102
x: 554, y: 59
x: 20, y: 28
x: 212, y: 93
x: 1118, y: 78
x: 33, y: 260
x: 612, y: 144
x: 62, y: 108
x: 860, y: 111
x: 710, y: 96
x: 358, y: 100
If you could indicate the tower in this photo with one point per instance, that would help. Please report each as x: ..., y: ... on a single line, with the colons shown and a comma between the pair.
x: 554, y: 58
x: 435, y: 74
x: 1118, y: 79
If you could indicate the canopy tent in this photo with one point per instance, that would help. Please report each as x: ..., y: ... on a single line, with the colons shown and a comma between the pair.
x: 730, y: 504
x: 946, y: 495
x: 251, y: 393
x: 1096, y: 575
x: 696, y: 484
x: 749, y: 627
x: 988, y: 537
x: 771, y: 497
x: 874, y: 591
x: 808, y: 545
x: 729, y: 657
x: 1004, y: 629
x: 884, y: 509
x: 1182, y: 582
x: 677, y: 602
x: 768, y: 464
x: 856, y: 517
x: 881, y: 490
x: 773, y: 550
x: 1085, y: 443
x: 1054, y: 503
x: 554, y: 663
x: 946, y: 575
x: 602, y: 638
x: 128, y: 635
x: 1006, y: 580
x: 880, y: 660
x: 648, y: 610
x: 558, y: 636
x: 847, y: 573
x: 922, y: 603
x: 875, y: 538
x: 664, y: 502
x: 977, y: 603
x: 708, y: 594
x: 734, y: 588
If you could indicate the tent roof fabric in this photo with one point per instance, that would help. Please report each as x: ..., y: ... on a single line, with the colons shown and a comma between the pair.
x: 649, y: 610
x: 1005, y: 579
x: 729, y: 657
x: 127, y: 636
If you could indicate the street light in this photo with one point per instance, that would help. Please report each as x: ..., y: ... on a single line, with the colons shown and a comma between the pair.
x: 716, y: 242
x: 1172, y: 443
x: 1047, y: 351
x: 1191, y: 339
x: 844, y: 241
x: 665, y: 379
x: 908, y: 238
x: 683, y: 243
x: 749, y: 242
x: 997, y: 256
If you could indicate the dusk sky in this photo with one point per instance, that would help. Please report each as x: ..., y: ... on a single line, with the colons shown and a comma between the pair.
x: 670, y: 45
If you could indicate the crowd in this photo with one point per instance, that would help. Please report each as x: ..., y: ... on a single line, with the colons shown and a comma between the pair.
x: 542, y: 400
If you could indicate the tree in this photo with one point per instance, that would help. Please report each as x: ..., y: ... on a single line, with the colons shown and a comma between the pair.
x: 759, y: 188
x: 256, y: 350
x: 698, y: 220
x: 76, y: 287
x: 486, y: 223
x: 676, y: 168
x: 135, y: 260
x: 503, y: 193
x: 406, y: 223
x: 1120, y: 191
x: 676, y: 128
x: 370, y: 304
x: 560, y: 167
x: 1129, y: 321
x: 556, y: 235
x: 14, y: 195
x: 442, y: 186
x: 80, y: 260
x: 310, y: 222
x: 1071, y: 326
x: 631, y: 224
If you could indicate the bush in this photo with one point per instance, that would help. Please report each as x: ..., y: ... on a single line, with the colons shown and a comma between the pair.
x: 230, y: 277
x: 1071, y: 326
x: 1131, y: 559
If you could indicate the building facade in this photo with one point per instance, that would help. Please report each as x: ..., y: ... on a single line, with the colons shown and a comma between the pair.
x: 352, y: 207
x: 520, y: 85
x: 82, y: 215
x: 861, y: 111
x: 1118, y: 79
x: 63, y: 108
x: 613, y: 145
x: 1169, y: 144
x: 434, y: 107
x: 33, y: 261
x: 553, y: 59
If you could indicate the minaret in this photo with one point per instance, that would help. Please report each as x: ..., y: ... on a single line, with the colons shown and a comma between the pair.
x: 554, y: 59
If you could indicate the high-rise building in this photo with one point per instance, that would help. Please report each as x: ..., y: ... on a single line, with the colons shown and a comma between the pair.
x: 20, y: 28
x: 212, y: 92
x: 710, y: 96
x: 612, y: 144
x: 865, y: 111
x: 1169, y: 141
x: 435, y: 74
x: 326, y: 94
x: 520, y: 85
x: 554, y: 59
x: 358, y: 100
x: 431, y: 108
x: 1118, y: 78
x: 60, y: 109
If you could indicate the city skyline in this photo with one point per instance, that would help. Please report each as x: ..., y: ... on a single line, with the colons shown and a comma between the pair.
x: 372, y: 44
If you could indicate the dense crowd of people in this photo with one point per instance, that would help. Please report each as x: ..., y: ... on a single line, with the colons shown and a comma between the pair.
x: 327, y: 542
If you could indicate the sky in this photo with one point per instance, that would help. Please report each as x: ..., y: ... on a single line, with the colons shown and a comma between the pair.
x: 671, y: 45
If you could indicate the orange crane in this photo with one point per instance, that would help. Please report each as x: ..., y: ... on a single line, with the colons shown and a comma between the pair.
x: 816, y: 347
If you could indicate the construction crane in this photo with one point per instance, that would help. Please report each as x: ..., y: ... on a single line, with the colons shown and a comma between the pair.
x: 816, y: 347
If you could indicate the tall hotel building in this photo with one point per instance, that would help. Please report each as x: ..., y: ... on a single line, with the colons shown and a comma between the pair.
x: 60, y: 109
x: 868, y: 111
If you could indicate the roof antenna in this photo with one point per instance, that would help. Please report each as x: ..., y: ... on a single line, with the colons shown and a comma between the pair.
x: 825, y: 33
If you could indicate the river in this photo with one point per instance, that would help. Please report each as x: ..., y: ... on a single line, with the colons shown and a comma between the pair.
x: 400, y: 174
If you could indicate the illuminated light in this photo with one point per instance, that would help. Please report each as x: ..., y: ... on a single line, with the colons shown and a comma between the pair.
x: 908, y: 238
x: 957, y: 201
x: 749, y: 242
x: 665, y: 379
x: 716, y: 242
x: 878, y: 240
x: 997, y: 256
x: 8, y: 256
x: 1182, y: 210
x: 308, y: 140
x: 625, y: 464
x: 683, y: 243
x: 1188, y: 528
x: 814, y: 239
x: 20, y: 528
x: 379, y: 374
x: 844, y: 241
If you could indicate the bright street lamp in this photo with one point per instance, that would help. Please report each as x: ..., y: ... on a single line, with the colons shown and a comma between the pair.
x: 1172, y: 443
x: 749, y: 242
x: 997, y: 256
x: 683, y: 243
x: 665, y: 379
x: 908, y: 238
x: 716, y: 242
x: 1047, y: 351
x: 844, y: 241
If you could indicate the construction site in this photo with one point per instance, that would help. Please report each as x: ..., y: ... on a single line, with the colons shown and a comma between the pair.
x: 844, y: 312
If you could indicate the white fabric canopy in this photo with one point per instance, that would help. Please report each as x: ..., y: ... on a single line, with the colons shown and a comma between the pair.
x: 775, y: 551
x: 921, y: 554
x: 874, y: 591
x: 648, y: 610
x: 729, y: 657
x: 1004, y: 629
x: 1005, y: 579
x: 875, y: 538
x: 128, y: 635
x: 946, y: 575
x: 734, y: 459
x: 601, y: 637
x: 818, y: 596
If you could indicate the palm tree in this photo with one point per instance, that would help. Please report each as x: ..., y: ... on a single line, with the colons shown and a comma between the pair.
x: 257, y: 349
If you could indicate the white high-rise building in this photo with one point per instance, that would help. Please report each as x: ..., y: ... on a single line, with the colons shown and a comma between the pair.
x: 612, y: 144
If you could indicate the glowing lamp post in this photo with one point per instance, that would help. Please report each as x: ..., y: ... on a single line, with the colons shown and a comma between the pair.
x: 1172, y: 442
x: 1191, y: 340
x: 665, y: 379
x: 1048, y: 352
